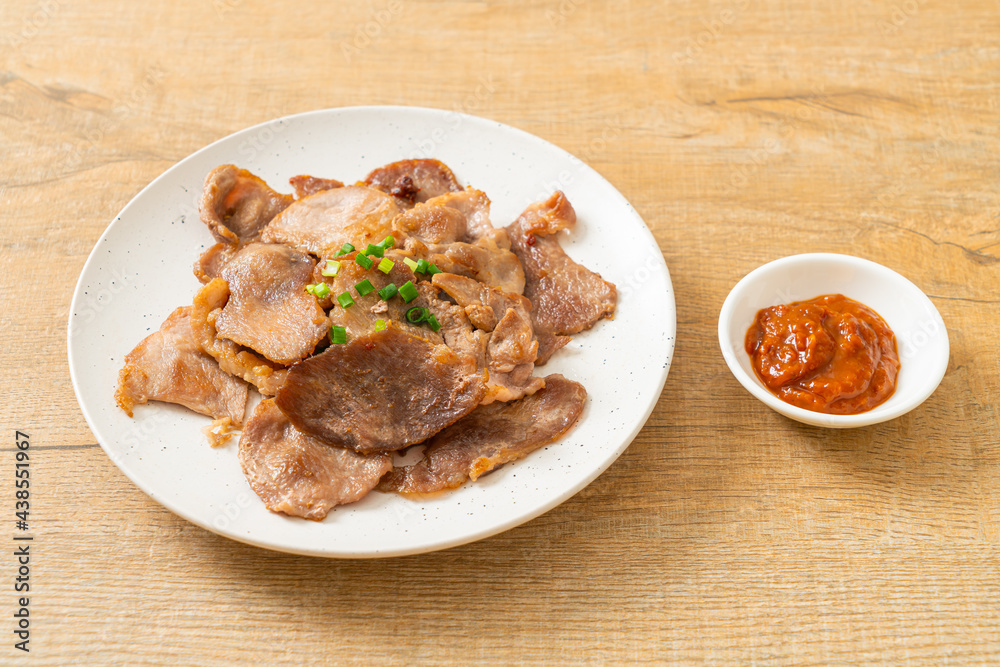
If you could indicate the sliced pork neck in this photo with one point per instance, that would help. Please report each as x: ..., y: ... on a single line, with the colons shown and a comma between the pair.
x: 490, y: 436
x: 266, y: 375
x: 323, y: 222
x: 380, y: 392
x: 567, y: 297
x: 269, y: 310
x: 170, y: 366
x: 414, y: 181
x: 236, y: 205
x: 299, y: 475
x: 310, y: 185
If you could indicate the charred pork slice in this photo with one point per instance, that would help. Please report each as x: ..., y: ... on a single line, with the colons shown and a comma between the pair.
x: 567, y: 297
x: 512, y: 348
x: 236, y: 205
x: 323, y: 222
x: 298, y: 475
x: 414, y: 181
x: 380, y: 392
x: 310, y: 185
x: 170, y: 366
x: 269, y: 309
x: 490, y: 436
x: 266, y: 375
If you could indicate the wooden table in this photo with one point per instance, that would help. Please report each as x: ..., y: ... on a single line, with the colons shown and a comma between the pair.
x: 741, y: 131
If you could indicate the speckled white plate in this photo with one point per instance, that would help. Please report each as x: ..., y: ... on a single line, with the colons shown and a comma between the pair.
x: 140, y: 271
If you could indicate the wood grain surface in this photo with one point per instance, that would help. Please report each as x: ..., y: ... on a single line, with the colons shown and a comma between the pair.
x: 742, y: 131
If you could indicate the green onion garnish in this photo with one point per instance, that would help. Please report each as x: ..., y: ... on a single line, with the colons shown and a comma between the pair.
x: 422, y: 266
x: 432, y: 269
x: 433, y: 323
x: 345, y: 300
x: 379, y: 325
x: 338, y: 335
x: 364, y: 261
x: 388, y: 292
x: 385, y: 266
x: 332, y: 267
x: 365, y: 287
x: 388, y: 242
x: 417, y: 314
x: 376, y: 250
x: 344, y: 249
x: 410, y: 263
x: 408, y: 291
x: 319, y: 290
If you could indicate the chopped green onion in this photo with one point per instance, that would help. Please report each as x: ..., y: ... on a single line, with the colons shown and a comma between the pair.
x: 338, y: 335
x: 432, y: 269
x: 408, y: 291
x: 376, y: 250
x: 388, y: 242
x: 319, y: 290
x: 388, y: 292
x: 344, y: 249
x: 332, y: 267
x: 365, y: 287
x: 433, y: 323
x: 345, y: 300
x: 417, y: 314
x: 379, y: 325
x: 385, y: 266
x: 410, y: 263
x: 422, y: 266
x: 364, y: 261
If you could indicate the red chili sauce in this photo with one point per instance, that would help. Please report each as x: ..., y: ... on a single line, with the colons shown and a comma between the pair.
x: 829, y: 354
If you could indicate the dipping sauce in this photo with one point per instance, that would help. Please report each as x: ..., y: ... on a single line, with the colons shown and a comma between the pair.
x: 829, y: 354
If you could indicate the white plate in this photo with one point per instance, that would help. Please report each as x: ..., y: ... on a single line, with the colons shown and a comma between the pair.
x: 140, y: 271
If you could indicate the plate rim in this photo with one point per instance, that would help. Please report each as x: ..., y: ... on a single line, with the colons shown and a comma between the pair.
x: 464, y: 538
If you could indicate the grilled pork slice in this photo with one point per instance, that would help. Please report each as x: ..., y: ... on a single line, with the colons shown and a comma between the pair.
x: 310, y: 185
x: 567, y: 297
x: 169, y: 366
x: 486, y: 260
x: 299, y: 475
x: 209, y: 266
x: 236, y: 205
x: 512, y: 348
x: 269, y: 309
x: 380, y: 392
x: 323, y: 222
x: 474, y: 206
x: 414, y: 181
x: 491, y: 436
x: 549, y: 344
x: 266, y: 375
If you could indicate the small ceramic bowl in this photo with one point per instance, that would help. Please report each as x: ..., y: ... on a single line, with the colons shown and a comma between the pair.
x: 921, y: 337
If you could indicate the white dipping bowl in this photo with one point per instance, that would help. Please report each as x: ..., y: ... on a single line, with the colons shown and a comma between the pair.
x: 921, y: 337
